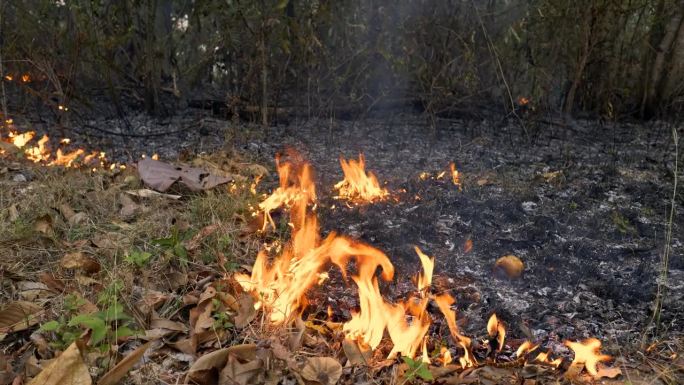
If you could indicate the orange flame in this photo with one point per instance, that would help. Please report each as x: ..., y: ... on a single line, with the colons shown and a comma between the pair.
x: 588, y: 354
x: 524, y: 348
x: 41, y: 152
x: 358, y: 185
x: 544, y: 358
x: 425, y: 280
x: 296, y: 185
x: 444, y: 303
x: 496, y: 329
x: 455, y: 176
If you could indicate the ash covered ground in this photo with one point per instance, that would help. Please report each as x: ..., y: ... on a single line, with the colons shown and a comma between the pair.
x: 585, y: 207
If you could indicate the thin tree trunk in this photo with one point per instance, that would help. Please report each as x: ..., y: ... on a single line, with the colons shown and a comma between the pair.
x: 654, y: 85
x: 5, y: 117
x: 581, y: 64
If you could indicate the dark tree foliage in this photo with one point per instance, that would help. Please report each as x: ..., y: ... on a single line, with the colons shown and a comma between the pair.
x: 613, y: 58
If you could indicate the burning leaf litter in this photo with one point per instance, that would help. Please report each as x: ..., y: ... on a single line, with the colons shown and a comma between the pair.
x: 279, y: 288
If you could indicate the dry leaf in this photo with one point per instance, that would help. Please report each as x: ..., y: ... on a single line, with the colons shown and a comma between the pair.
x: 79, y: 261
x: 68, y: 368
x: 67, y: 211
x: 196, y: 241
x: 236, y: 372
x: 511, y: 265
x: 128, y: 208
x: 607, y: 372
x: 216, y: 360
x: 17, y: 316
x: 160, y: 176
x: 43, y: 224
x: 32, y: 291
x: 147, y: 193
x: 355, y: 353
x: 323, y: 370
x: 13, y: 212
x: 246, y: 312
x: 119, y: 371
x: 78, y: 218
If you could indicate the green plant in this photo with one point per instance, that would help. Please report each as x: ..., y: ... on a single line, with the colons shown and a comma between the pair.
x: 221, y: 318
x: 106, y: 326
x: 416, y: 369
x: 173, y: 244
x: 138, y: 258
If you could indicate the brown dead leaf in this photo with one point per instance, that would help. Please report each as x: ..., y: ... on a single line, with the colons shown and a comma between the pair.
x: 43, y: 224
x: 13, y: 213
x: 202, y: 369
x: 17, y: 316
x: 53, y: 283
x: 511, y: 265
x: 33, y: 291
x: 129, y: 208
x: 355, y: 353
x: 160, y: 176
x: 66, y: 211
x: 80, y: 261
x: 322, y: 370
x: 68, y: 368
x: 235, y: 372
x: 147, y: 193
x: 196, y: 241
x: 607, y: 372
x: 119, y: 371
x: 246, y: 312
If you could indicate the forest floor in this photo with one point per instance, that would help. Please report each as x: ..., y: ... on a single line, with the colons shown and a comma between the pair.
x: 585, y: 207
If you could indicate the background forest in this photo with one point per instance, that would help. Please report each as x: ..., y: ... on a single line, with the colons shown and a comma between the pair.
x: 612, y: 59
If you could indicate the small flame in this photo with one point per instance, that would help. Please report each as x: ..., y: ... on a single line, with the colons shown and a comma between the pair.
x: 446, y: 356
x: 543, y: 357
x: 523, y: 101
x: 588, y: 354
x: 20, y: 140
x: 358, y: 185
x: 444, y: 302
x: 25, y: 78
x: 296, y: 186
x: 455, y: 176
x: 425, y: 280
x: 525, y: 348
x: 9, y: 78
x: 496, y: 329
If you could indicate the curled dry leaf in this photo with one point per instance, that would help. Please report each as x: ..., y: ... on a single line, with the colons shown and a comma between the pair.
x: 43, y: 224
x: 119, y: 371
x: 201, y: 370
x: 17, y: 316
x: 147, y: 193
x: 160, y: 176
x: 355, y: 353
x: 510, y: 265
x: 246, y: 312
x: 80, y: 261
x: 322, y: 370
x: 236, y: 372
x: 68, y: 368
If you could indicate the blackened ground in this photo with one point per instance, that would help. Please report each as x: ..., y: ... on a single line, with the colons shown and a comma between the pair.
x: 583, y: 205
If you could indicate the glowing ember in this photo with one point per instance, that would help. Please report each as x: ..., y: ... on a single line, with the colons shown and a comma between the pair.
x: 496, y: 329
x: 358, y: 185
x: 588, y: 354
x: 455, y: 177
x: 523, y: 101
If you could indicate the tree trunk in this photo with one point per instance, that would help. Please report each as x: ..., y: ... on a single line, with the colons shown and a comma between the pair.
x: 656, y: 79
x: 585, y: 50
